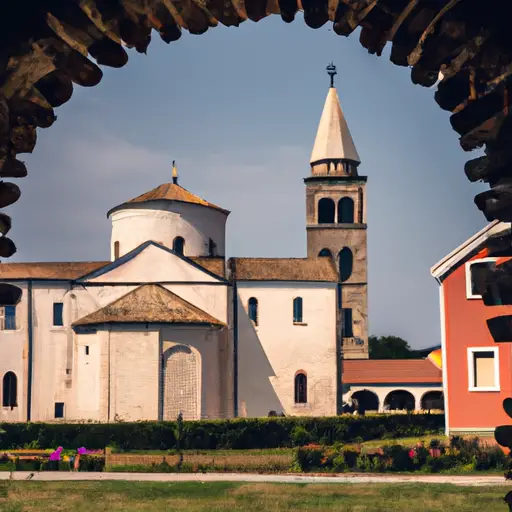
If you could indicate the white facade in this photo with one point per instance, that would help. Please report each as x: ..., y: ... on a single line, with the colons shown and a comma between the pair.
x: 193, y: 354
x: 279, y: 348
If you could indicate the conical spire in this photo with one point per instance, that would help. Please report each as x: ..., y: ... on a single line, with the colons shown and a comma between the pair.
x: 333, y: 140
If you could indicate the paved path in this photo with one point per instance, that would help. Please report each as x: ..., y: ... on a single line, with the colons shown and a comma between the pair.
x: 46, y: 476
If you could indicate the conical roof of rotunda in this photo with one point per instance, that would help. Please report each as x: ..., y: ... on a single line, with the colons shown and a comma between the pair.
x: 168, y: 192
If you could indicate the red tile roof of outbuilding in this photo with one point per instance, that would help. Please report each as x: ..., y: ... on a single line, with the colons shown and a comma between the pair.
x: 392, y: 371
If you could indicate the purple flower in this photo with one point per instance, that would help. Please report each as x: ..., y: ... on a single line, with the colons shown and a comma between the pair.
x: 56, y: 454
x: 82, y: 451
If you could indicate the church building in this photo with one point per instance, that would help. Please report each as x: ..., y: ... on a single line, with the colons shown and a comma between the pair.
x: 170, y: 325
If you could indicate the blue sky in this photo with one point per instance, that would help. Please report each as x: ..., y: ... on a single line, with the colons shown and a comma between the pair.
x: 238, y: 108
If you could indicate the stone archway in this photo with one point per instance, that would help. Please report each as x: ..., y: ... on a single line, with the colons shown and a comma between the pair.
x: 400, y: 400
x: 181, y: 383
x: 366, y: 401
x: 432, y: 400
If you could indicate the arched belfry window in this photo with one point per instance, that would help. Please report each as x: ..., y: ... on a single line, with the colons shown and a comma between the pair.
x: 326, y: 209
x: 361, y: 205
x: 345, y: 211
x: 325, y: 253
x: 297, y: 310
x: 253, y: 310
x: 10, y: 390
x: 301, y: 388
x: 178, y: 245
x: 345, y: 262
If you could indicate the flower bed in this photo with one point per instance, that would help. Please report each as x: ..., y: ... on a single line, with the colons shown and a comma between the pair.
x: 459, y: 455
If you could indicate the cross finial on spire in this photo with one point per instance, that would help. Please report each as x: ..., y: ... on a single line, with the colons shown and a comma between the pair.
x: 331, y: 71
x: 174, y: 173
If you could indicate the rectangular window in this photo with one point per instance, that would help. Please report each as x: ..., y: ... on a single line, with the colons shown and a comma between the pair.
x: 483, y: 369
x: 59, y: 409
x: 58, y: 308
x: 9, y: 318
x: 86, y: 350
x: 347, y: 323
x: 476, y: 274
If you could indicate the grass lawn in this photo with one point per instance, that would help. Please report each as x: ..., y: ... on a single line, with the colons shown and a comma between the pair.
x: 220, y: 496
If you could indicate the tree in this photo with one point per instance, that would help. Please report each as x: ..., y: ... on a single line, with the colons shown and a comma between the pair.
x: 390, y: 347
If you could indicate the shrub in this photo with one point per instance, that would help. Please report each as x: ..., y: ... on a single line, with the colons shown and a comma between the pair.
x: 300, y: 436
x: 400, y: 459
x: 309, y: 457
x: 91, y: 463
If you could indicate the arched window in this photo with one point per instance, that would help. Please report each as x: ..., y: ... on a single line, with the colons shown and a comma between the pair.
x: 116, y: 250
x: 361, y: 206
x: 345, y: 262
x: 326, y: 209
x: 301, y: 388
x: 253, y: 310
x: 297, y: 309
x: 345, y: 211
x: 325, y: 252
x: 178, y: 245
x: 10, y: 391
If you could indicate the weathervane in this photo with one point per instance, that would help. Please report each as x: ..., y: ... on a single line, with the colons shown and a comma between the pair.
x: 331, y: 71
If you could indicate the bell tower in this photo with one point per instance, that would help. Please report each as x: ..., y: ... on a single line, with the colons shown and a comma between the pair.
x: 336, y: 218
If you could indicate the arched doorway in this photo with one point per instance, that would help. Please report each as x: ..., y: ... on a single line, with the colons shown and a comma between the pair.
x: 181, y: 383
x: 400, y: 400
x: 366, y: 401
x: 432, y: 400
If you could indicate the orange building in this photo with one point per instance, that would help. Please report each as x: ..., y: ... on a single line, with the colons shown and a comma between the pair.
x: 477, y: 372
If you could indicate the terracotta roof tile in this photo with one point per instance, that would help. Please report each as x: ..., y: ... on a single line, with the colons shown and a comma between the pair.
x: 393, y: 371
x: 285, y: 269
x: 150, y: 303
x: 215, y: 265
x: 48, y: 270
x: 75, y: 269
x: 169, y: 192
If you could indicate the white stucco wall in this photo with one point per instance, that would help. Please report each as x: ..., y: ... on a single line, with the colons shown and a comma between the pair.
x: 13, y: 358
x: 163, y: 221
x: 52, y: 352
x: 271, y: 353
x: 154, y: 265
x: 134, y: 369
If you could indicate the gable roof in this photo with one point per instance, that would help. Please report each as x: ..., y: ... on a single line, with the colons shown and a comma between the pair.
x: 150, y: 303
x: 333, y: 140
x: 73, y: 270
x: 66, y: 271
x: 284, y: 269
x: 392, y: 371
x: 199, y: 264
x: 168, y: 192
x: 466, y: 249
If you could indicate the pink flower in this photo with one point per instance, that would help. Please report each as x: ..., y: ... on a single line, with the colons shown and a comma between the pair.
x: 412, y: 453
x: 81, y: 451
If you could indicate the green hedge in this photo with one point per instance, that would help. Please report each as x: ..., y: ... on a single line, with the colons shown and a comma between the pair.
x: 220, y: 434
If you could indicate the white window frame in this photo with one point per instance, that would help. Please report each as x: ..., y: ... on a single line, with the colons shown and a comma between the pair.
x: 471, y: 374
x: 469, y: 294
